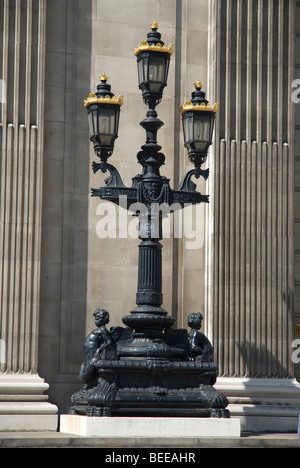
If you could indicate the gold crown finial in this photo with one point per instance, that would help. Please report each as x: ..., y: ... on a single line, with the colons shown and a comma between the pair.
x: 103, y: 77
x: 198, y: 84
x: 154, y: 25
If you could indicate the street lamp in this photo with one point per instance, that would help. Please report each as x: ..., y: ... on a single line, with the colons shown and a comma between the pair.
x: 198, y: 119
x: 153, y: 60
x: 103, y: 117
x: 149, y: 367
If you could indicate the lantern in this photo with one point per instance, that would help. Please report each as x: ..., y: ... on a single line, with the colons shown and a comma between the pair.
x: 103, y: 116
x: 153, y: 60
x: 198, y: 119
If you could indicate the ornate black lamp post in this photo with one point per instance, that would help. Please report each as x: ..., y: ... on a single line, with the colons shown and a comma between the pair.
x: 148, y: 367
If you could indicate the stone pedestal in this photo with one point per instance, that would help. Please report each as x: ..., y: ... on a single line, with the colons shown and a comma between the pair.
x: 149, y: 427
x: 263, y: 404
x: 23, y: 404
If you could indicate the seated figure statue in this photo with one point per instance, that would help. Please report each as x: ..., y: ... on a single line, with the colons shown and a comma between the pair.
x: 201, y: 348
x: 98, y: 345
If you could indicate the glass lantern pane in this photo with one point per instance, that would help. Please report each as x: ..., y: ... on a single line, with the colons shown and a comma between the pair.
x: 200, y: 146
x: 212, y: 122
x: 157, y: 68
x: 106, y: 121
x: 107, y: 140
x: 145, y: 64
x: 140, y: 71
x: 91, y: 116
x: 184, y: 127
x: 117, y: 117
x: 190, y: 128
x: 202, y: 127
x: 155, y: 87
x: 167, y: 64
x: 161, y: 70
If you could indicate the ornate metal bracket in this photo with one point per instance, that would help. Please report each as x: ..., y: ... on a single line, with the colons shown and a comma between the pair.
x: 187, y: 184
x: 114, y: 180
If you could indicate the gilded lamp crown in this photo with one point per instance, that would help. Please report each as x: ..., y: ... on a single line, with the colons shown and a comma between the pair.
x: 154, y: 25
x: 198, y: 84
x: 198, y: 102
x: 103, y: 77
x: 154, y: 43
x: 104, y: 96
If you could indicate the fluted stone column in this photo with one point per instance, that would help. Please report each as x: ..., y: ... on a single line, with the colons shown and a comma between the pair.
x: 23, y: 404
x: 250, y: 234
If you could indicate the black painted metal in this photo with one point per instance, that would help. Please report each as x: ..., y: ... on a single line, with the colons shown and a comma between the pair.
x: 149, y: 367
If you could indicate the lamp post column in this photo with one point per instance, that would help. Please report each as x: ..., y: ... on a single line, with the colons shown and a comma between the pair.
x: 149, y: 319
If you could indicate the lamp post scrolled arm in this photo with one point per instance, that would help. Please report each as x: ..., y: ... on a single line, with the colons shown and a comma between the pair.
x: 115, y: 179
x: 187, y: 184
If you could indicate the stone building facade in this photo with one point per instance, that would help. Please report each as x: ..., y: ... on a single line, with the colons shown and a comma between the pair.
x: 239, y: 262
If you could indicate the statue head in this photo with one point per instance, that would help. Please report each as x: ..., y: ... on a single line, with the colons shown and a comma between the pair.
x: 195, y: 320
x: 101, y: 317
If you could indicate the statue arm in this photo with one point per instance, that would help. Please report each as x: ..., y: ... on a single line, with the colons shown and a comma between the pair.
x: 104, y: 337
x: 194, y: 342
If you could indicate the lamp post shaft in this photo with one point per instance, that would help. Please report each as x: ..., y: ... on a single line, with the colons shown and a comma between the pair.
x: 149, y: 319
x: 149, y: 274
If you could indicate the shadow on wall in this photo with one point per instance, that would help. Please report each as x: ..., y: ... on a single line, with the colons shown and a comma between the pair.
x: 261, y: 362
x: 263, y: 347
x: 66, y: 194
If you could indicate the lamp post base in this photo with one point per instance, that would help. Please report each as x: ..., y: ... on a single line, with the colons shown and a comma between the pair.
x: 150, y: 377
x: 152, y: 387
